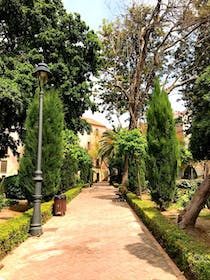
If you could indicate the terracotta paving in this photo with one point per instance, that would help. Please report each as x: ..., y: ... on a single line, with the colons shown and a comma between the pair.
x: 99, y: 238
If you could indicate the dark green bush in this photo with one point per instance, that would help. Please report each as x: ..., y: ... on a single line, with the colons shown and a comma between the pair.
x: 1, y: 202
x: 76, y: 161
x: 163, y: 149
x: 12, y: 188
x: 52, y: 146
x: 68, y: 173
x: 191, y: 256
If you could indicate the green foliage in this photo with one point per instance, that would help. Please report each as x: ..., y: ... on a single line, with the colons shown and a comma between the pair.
x: 52, y: 146
x: 68, y: 173
x: 116, y: 169
x: 1, y: 202
x: 185, y: 189
x: 15, y: 91
x: 106, y: 148
x: 162, y: 148
x: 12, y: 233
x: 84, y: 165
x: 12, y: 187
x: 35, y: 31
x: 185, y: 155
x: 130, y: 143
x: 115, y: 145
x: 200, y: 130
x: 133, y: 144
x: 15, y: 231
x: 191, y: 256
x: 198, y: 60
x: 75, y: 159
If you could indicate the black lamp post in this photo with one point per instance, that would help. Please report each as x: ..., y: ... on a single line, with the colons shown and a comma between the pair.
x: 42, y: 73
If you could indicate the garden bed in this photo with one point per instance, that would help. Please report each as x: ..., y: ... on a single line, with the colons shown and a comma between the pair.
x: 201, y: 232
x: 190, y: 255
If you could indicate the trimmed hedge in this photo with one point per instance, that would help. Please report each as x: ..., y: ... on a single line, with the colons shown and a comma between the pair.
x: 15, y: 230
x: 191, y: 256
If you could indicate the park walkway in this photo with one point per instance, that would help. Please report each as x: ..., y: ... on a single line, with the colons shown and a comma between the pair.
x: 99, y: 238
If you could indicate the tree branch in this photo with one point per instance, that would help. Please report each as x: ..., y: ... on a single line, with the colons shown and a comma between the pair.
x: 175, y: 85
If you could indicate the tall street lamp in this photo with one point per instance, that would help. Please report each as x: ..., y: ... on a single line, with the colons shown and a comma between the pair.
x: 42, y: 73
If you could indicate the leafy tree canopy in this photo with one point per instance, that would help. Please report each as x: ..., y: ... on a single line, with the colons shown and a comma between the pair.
x: 131, y: 143
x: 72, y: 147
x: 34, y: 31
x: 200, y: 130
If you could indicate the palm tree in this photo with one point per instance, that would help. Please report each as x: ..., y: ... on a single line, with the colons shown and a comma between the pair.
x: 106, y: 144
x: 107, y: 150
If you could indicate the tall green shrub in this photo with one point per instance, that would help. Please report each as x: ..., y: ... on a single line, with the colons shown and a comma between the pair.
x: 68, y: 172
x: 76, y: 161
x: 85, y: 165
x: 162, y: 148
x: 52, y: 146
x: 12, y: 187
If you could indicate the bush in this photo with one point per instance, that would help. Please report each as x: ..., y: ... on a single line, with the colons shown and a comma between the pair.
x: 1, y: 202
x: 15, y: 231
x: 68, y: 173
x: 191, y: 256
x: 185, y: 190
x: 12, y: 188
x: 76, y: 160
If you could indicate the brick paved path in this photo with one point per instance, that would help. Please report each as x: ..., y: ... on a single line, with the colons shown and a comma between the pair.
x: 99, y: 238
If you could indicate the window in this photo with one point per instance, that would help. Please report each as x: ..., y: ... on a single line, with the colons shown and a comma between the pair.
x: 3, y: 166
x: 96, y: 131
x: 88, y: 145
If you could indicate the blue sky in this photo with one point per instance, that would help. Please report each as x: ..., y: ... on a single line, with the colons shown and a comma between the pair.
x: 93, y: 11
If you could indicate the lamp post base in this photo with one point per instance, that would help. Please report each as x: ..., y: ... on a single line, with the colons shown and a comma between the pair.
x: 35, y: 230
x: 36, y: 220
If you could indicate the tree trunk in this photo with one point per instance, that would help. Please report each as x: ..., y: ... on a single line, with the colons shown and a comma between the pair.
x: 125, y: 172
x: 187, y: 217
x: 139, y: 184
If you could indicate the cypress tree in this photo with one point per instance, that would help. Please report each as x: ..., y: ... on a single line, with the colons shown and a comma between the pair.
x: 162, y: 148
x: 52, y: 146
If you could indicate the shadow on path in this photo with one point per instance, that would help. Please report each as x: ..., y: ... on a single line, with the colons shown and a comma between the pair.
x: 147, y: 249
